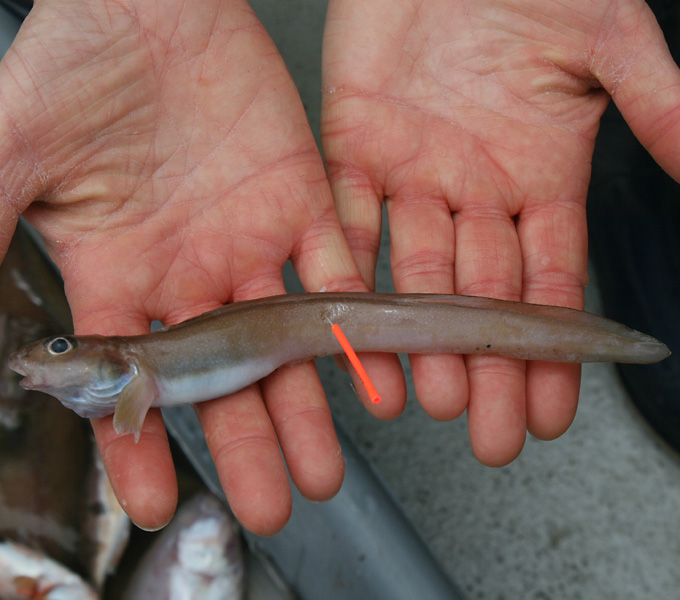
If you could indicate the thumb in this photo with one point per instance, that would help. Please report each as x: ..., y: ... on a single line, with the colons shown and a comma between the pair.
x: 635, y: 66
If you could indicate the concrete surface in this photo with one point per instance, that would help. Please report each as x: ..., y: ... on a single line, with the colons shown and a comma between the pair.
x: 593, y: 515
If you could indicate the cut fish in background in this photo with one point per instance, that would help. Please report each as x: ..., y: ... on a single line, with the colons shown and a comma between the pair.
x: 45, y: 452
x: 25, y: 574
x: 198, y: 556
x: 54, y: 498
x: 14, y: 401
x: 107, y: 527
x: 32, y: 301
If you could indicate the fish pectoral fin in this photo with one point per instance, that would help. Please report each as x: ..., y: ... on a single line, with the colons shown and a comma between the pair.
x: 133, y: 404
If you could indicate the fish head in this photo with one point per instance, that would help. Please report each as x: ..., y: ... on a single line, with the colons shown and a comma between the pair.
x: 86, y: 373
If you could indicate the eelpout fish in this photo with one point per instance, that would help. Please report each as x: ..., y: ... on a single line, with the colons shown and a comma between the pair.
x: 227, y: 349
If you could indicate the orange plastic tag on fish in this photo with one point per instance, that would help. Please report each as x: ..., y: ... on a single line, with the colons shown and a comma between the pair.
x: 356, y: 363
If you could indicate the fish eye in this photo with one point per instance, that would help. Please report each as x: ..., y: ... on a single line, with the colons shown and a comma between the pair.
x: 59, y: 345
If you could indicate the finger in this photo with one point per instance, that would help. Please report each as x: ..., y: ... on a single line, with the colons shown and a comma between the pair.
x: 299, y: 420
x: 324, y: 260
x: 636, y: 68
x: 496, y: 409
x: 243, y: 440
x: 142, y: 474
x: 554, y: 244
x: 422, y: 255
x: 488, y: 263
x: 387, y: 377
x: 304, y: 427
x: 243, y: 445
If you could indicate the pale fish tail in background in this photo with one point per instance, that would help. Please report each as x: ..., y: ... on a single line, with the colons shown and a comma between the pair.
x: 197, y: 557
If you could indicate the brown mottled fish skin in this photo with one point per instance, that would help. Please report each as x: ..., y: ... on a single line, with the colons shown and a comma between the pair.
x: 225, y: 350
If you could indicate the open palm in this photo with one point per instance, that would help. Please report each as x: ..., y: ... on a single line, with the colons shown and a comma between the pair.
x: 475, y: 123
x: 164, y: 154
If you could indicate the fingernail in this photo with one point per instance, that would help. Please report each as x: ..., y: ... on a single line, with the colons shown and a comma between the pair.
x: 152, y: 529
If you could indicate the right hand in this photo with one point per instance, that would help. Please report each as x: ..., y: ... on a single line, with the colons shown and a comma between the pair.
x: 162, y: 150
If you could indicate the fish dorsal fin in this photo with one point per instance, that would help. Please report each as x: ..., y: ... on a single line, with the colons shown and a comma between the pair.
x: 133, y: 403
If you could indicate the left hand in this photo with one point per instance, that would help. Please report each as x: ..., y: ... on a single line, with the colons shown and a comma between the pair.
x: 475, y: 123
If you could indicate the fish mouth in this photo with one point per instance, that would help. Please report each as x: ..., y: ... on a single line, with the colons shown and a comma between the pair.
x: 17, y: 363
x: 28, y: 384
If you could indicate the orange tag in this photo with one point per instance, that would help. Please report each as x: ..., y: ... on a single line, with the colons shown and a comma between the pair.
x: 356, y: 363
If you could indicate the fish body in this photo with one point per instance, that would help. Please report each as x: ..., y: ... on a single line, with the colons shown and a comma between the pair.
x: 225, y: 350
x: 25, y: 573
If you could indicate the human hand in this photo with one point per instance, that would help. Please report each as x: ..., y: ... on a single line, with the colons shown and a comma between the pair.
x: 476, y: 121
x: 163, y: 152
